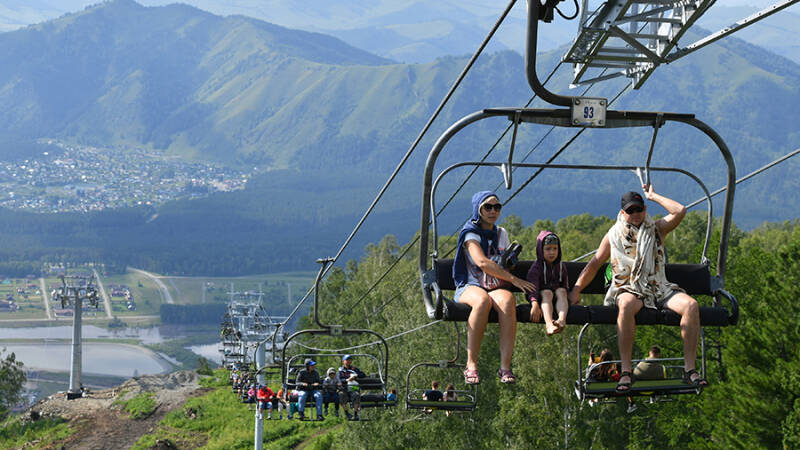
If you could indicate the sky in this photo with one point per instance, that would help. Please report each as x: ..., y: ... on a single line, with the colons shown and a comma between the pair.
x: 17, y: 13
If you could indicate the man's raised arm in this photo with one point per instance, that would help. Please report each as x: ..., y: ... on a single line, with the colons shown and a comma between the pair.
x: 675, y: 210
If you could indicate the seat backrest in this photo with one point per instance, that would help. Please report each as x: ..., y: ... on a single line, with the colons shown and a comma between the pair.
x: 695, y: 279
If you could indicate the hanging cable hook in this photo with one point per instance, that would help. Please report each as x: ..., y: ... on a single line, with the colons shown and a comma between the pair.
x: 656, y: 125
x: 507, y: 167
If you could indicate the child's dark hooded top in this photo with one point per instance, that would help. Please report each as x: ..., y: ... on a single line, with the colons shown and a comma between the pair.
x: 544, y: 275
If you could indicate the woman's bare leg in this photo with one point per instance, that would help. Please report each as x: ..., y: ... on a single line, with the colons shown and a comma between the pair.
x: 505, y: 304
x: 480, y: 302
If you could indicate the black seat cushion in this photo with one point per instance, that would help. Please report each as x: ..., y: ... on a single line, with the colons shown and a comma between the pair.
x: 694, y: 278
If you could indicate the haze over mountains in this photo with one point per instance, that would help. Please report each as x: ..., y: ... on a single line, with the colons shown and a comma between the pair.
x: 329, y: 121
x: 416, y: 31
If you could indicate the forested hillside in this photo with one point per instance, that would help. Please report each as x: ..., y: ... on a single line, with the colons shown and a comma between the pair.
x: 753, y: 400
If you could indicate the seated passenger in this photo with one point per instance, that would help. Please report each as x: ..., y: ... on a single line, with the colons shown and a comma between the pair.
x: 264, y: 397
x: 549, y: 277
x: 392, y: 395
x: 279, y: 402
x: 292, y: 398
x: 331, y: 386
x: 635, y: 244
x: 433, y: 394
x: 450, y: 396
x: 482, y: 284
x: 309, y: 383
x: 651, y: 370
x: 348, y: 376
x: 251, y: 394
x: 602, y: 372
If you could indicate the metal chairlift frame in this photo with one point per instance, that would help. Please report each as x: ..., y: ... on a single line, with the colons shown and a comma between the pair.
x: 561, y: 118
x: 338, y: 330
x: 564, y: 117
x: 655, y: 389
x: 414, y: 396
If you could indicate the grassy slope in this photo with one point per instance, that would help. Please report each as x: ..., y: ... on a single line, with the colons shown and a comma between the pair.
x: 222, y: 422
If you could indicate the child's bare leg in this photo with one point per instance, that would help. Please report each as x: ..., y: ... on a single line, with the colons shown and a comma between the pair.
x: 547, y: 312
x: 561, y: 307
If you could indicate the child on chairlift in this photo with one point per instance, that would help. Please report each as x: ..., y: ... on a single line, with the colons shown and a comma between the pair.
x: 549, y: 276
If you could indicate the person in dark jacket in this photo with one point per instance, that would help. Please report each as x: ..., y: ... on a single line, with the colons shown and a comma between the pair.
x: 309, y: 383
x: 549, y: 275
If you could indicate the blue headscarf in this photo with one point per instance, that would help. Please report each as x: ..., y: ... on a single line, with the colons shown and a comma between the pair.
x: 473, y: 226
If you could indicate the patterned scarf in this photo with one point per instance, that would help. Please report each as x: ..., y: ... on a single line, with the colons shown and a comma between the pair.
x: 638, y: 261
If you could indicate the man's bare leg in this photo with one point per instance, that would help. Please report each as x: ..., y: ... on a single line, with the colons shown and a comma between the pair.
x: 689, y: 310
x: 628, y: 305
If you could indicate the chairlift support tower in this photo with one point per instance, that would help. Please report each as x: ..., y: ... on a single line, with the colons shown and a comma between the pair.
x: 631, y: 38
x: 79, y: 288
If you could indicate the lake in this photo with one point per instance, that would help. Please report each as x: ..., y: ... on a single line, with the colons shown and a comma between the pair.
x: 98, y: 358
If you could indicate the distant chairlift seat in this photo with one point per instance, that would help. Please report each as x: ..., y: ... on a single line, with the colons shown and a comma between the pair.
x: 696, y: 279
x: 372, y: 389
x: 640, y: 388
x: 466, y: 402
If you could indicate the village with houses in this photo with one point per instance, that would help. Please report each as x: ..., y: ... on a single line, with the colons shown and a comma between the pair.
x: 75, y: 178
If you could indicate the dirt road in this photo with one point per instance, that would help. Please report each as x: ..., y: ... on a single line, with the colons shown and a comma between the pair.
x: 157, y: 280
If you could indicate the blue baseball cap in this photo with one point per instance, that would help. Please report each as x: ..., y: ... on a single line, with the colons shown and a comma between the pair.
x: 310, y: 362
x: 347, y: 357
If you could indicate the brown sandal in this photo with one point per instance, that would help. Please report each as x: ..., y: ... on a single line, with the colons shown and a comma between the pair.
x: 623, y: 387
x: 699, y: 381
x: 507, y: 376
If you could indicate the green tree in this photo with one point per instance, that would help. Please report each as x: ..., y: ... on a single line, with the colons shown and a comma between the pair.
x: 760, y: 399
x: 12, y: 378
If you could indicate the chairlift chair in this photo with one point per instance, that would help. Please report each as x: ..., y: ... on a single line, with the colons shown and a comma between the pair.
x: 467, y: 399
x: 374, y: 385
x: 578, y: 113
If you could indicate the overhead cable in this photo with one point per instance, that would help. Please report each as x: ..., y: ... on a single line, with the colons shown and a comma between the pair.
x: 416, y: 142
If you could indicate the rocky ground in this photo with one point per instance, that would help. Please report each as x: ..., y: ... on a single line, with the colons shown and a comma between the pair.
x: 102, y: 424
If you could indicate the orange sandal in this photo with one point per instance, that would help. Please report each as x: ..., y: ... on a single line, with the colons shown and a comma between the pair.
x: 471, y: 376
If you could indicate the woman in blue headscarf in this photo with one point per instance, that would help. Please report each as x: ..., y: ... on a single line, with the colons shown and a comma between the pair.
x: 474, y: 273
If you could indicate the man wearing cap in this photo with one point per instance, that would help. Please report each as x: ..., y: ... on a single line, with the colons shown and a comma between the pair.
x: 348, y: 375
x: 331, y: 386
x: 309, y: 382
x: 635, y: 244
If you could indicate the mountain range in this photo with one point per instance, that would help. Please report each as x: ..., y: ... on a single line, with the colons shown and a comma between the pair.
x: 417, y: 31
x: 328, y: 122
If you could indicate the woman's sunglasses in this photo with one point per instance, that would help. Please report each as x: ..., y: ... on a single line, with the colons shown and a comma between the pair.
x: 634, y: 210
x: 497, y: 206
